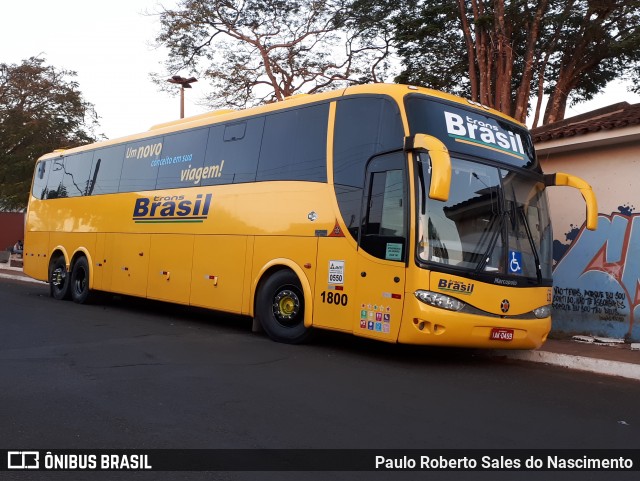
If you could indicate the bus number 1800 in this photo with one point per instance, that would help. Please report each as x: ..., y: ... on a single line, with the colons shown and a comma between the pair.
x: 334, y: 298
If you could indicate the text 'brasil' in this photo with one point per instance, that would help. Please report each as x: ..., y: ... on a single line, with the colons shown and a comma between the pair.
x: 479, y: 133
x: 171, y: 209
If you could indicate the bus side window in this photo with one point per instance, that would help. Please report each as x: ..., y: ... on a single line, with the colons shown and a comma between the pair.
x: 364, y: 126
x: 182, y: 162
x: 39, y: 190
x: 294, y: 145
x: 76, y: 170
x: 383, y: 232
x: 140, y: 166
x: 233, y: 150
x: 55, y: 187
x: 107, y: 166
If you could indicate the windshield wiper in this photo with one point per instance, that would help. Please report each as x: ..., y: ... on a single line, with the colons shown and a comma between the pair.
x: 527, y: 229
x: 493, y: 241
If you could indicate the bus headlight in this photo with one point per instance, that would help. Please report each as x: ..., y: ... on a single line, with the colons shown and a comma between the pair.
x: 439, y: 300
x: 542, y: 312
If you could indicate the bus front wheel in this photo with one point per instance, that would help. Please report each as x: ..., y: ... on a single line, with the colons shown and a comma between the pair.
x: 59, y: 279
x: 280, y: 308
x: 80, y: 281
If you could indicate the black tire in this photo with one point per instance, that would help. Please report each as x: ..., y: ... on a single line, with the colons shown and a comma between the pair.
x: 280, y: 308
x: 79, y: 285
x: 59, y: 279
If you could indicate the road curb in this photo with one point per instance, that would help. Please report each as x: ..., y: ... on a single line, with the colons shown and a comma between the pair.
x: 580, y: 363
x: 19, y: 278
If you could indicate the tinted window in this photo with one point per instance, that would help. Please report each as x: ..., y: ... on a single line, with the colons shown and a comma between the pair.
x: 55, y: 182
x: 294, y: 145
x: 472, y: 132
x: 140, y: 167
x: 364, y: 126
x: 76, y: 169
x: 107, y: 166
x: 384, y: 223
x: 232, y: 152
x: 182, y: 159
x: 350, y: 201
x: 40, y: 177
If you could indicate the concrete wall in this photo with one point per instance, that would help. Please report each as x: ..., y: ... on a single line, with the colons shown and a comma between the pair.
x: 596, y: 273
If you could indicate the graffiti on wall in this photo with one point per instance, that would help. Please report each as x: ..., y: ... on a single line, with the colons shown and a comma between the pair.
x: 597, y: 277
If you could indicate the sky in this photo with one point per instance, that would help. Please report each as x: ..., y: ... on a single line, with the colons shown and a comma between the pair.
x: 110, y: 46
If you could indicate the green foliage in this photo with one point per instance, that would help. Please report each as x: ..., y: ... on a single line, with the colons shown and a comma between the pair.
x: 596, y: 42
x: 257, y: 51
x: 40, y: 110
x: 568, y: 48
x: 432, y: 50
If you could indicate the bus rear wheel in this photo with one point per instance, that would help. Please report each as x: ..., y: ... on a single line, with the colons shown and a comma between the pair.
x: 80, y: 281
x: 280, y: 308
x: 59, y: 279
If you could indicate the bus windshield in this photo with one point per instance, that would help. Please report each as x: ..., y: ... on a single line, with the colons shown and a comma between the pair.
x: 495, y: 221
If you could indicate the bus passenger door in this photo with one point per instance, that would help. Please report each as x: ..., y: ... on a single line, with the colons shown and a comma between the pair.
x: 382, y: 250
x: 336, y: 281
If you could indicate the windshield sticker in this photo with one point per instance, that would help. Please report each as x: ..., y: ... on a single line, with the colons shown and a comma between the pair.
x: 469, y: 130
x: 393, y: 252
x: 515, y: 262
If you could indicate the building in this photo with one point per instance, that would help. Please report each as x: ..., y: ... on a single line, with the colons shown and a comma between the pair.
x: 11, y: 229
x: 596, y: 273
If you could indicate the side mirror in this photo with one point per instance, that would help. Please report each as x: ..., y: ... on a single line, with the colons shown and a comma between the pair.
x: 440, y: 163
x: 585, y: 189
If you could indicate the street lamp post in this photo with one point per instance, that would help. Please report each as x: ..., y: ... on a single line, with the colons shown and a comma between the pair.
x: 185, y: 83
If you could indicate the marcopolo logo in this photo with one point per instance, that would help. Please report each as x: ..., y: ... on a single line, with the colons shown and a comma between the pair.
x: 479, y: 133
x: 171, y: 209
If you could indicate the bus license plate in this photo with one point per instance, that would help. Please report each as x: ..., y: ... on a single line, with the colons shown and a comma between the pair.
x: 501, y: 334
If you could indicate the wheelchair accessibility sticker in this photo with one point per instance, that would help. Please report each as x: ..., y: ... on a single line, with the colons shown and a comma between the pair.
x: 515, y: 262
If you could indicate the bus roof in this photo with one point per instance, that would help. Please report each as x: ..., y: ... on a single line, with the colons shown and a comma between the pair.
x: 397, y: 91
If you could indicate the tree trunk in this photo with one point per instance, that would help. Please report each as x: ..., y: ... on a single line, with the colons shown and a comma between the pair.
x: 466, y: 29
x: 524, y: 90
x: 481, y: 55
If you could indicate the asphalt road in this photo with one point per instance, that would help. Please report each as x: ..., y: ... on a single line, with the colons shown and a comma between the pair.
x: 128, y: 373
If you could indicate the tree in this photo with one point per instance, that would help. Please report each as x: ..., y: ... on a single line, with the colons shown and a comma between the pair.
x: 41, y: 109
x: 502, y: 53
x: 256, y: 51
x: 596, y: 42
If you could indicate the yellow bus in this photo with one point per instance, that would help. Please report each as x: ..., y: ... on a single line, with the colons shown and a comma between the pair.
x: 391, y: 212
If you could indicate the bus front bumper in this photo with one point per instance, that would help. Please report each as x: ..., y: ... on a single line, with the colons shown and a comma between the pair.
x: 424, y: 324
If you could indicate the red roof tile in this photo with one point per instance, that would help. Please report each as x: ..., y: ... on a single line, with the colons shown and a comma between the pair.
x: 612, y: 117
